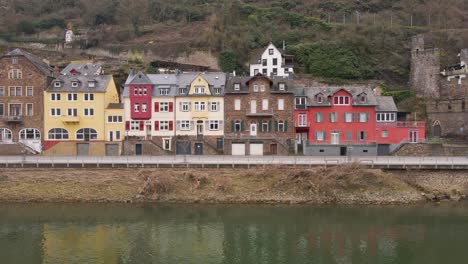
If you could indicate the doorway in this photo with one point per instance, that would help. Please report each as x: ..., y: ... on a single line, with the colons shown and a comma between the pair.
x: 200, y: 128
x: 335, y: 138
x: 343, y: 151
x: 413, y: 136
x: 198, y: 148
x: 253, y: 129
x: 274, y: 149
x: 138, y: 149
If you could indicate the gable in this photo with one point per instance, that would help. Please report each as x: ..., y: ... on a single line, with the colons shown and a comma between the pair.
x: 198, y: 83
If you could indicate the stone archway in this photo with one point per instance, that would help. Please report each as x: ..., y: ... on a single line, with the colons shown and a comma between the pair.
x: 436, y: 129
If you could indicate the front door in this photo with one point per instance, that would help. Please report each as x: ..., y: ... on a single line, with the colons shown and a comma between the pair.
x: 253, y: 106
x: 253, y: 129
x: 274, y: 149
x: 413, y: 136
x: 148, y: 130
x: 111, y: 136
x: 82, y: 149
x: 198, y: 148
x: 343, y: 151
x: 138, y: 149
x: 335, y: 138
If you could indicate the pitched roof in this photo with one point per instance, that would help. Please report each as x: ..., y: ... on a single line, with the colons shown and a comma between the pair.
x: 83, y: 69
x: 101, y: 82
x: 386, y: 104
x: 244, y: 87
x: 38, y: 62
x: 328, y: 91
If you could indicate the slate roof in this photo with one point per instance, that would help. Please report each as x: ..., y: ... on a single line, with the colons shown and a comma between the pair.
x: 244, y: 87
x: 38, y: 62
x: 256, y: 54
x: 115, y: 106
x: 175, y: 81
x: 100, y: 85
x: 329, y: 91
x: 386, y: 104
x: 83, y: 69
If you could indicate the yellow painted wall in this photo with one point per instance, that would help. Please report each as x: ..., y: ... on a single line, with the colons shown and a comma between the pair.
x: 69, y: 148
x: 199, y: 81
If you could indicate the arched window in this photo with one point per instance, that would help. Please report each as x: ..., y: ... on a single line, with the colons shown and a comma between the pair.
x: 5, y: 134
x: 86, y: 134
x: 30, y: 133
x: 57, y: 134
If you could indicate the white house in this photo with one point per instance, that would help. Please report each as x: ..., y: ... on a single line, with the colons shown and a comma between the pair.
x: 69, y: 36
x: 273, y: 61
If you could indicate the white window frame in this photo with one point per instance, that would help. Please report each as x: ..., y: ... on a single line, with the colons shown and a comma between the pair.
x: 136, y: 107
x: 185, y: 106
x: 320, y: 135
x: 384, y: 133
x: 144, y: 107
x: 164, y: 91
x: 73, y: 111
x: 74, y: 84
x: 199, y: 89
x: 281, y: 86
x: 74, y: 97
x: 29, y: 88
x: 55, y: 111
x: 164, y: 107
x: 363, y: 117
x: 185, y: 125
x: 214, y: 125
x: 58, y: 133
x: 341, y: 100
x: 262, y: 88
x: 164, y: 125
x: 280, y: 104
x: 200, y: 106
x: 88, y: 97
x: 348, y: 117
x: 88, y: 112
x: 114, y: 119
x: 236, y: 86
x: 265, y: 104
x: 134, y: 125
x: 2, y: 91
x: 214, y: 106
x: 2, y: 106
x: 237, y: 104
x: 15, y: 90
x: 55, y: 97
x: 27, y: 109
x: 255, y: 88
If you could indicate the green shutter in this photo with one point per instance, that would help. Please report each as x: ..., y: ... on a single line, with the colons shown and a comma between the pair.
x: 260, y: 126
x: 269, y: 126
x: 233, y: 124
x: 242, y: 125
x: 276, y: 126
x: 286, y: 126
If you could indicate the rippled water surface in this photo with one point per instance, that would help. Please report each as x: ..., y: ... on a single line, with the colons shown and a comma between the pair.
x: 50, y: 233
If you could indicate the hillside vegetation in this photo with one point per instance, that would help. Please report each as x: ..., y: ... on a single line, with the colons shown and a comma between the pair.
x: 335, y: 39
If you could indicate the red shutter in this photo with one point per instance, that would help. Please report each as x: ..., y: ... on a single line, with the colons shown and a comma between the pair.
x: 127, y: 125
x: 142, y: 125
x: 171, y: 125
x: 156, y: 125
x: 156, y: 106
x: 171, y: 107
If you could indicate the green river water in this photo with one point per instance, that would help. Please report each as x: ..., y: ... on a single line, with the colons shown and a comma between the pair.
x: 70, y: 233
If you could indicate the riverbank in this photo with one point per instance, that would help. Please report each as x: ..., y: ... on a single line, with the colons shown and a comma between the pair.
x: 341, y: 185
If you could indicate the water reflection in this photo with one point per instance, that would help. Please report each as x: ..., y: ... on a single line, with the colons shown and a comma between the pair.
x: 232, y: 234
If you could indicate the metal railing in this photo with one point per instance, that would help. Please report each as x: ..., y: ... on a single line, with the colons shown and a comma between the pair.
x: 13, y: 118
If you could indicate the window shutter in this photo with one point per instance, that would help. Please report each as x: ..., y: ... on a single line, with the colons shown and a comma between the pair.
x: 156, y: 125
x: 276, y: 126
x: 352, y: 117
x: 242, y: 125
x: 180, y: 106
x: 367, y: 117
x: 171, y: 107
x: 178, y: 124
x: 142, y: 125
x: 316, y: 135
x: 324, y: 135
x: 156, y: 106
x: 207, y: 123
x: 191, y: 125
x: 127, y: 125
x: 171, y: 125
x: 269, y: 126
x: 286, y: 126
x: 232, y: 126
x: 209, y: 106
x: 260, y: 127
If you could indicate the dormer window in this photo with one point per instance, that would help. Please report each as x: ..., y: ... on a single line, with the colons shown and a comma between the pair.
x: 56, y: 84
x: 320, y: 99
x: 270, y: 51
x: 362, y: 99
x: 14, y: 60
x: 199, y: 89
x: 282, y: 86
x: 237, y: 86
x: 74, y: 84
x: 341, y: 100
x: 91, y: 84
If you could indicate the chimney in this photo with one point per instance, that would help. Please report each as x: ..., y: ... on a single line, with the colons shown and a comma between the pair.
x: 56, y: 71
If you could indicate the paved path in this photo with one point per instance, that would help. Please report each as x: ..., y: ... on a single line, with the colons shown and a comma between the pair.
x: 390, y: 162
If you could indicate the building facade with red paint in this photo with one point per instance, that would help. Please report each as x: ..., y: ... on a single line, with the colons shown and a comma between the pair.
x: 340, y: 121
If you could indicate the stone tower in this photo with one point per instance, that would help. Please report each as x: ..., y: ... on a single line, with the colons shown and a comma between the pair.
x: 425, y: 69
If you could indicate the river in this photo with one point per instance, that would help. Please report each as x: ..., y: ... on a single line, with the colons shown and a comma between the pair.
x: 83, y: 233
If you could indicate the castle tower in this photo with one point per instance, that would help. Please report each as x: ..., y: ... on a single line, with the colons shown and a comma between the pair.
x: 425, y: 69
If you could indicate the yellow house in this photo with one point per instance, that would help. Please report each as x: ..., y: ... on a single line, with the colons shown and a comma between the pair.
x: 81, y: 106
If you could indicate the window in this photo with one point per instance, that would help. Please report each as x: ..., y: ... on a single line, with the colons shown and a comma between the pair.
x: 30, y: 133
x: 114, y: 119
x: 166, y: 143
x: 281, y: 126
x: 200, y: 106
x: 56, y: 84
x: 265, y: 126
x: 348, y: 117
x: 255, y: 87
x: 15, y: 74
x: 117, y: 135
x: 236, y: 86
x: 185, y: 125
x: 182, y: 91
x: 29, y: 110
x: 265, y: 104
x: 136, y: 107
x: 363, y: 117
x: 237, y: 104
x: 135, y: 125
x: 88, y: 97
x: 333, y: 117
x: 270, y: 51
x: 214, y: 106
x: 237, y: 126
x: 275, y: 62
x: 264, y: 71
x: 16, y: 91
x: 91, y: 84
x: 217, y: 90
x: 86, y: 134
x: 214, y: 124
x: 264, y: 62
x: 341, y: 100
x: 281, y: 86
x: 275, y: 71
x: 385, y: 133
x: 55, y: 112
x: 88, y: 112
x: 72, y: 112
x: 74, y: 84
x: 318, y: 117
x: 2, y: 91
x: 2, y: 109
x: 57, y: 134
x: 185, y: 106
x: 280, y: 104
x: 164, y: 125
x: 255, y: 72
x: 302, y: 120
x: 262, y: 88
x: 29, y: 91
x: 362, y: 135
x: 144, y: 107
x: 300, y: 101
x: 14, y: 60
x: 362, y: 99
x: 385, y: 117
x: 320, y: 135
x: 135, y: 91
x: 199, y: 89
x: 319, y: 99
x: 72, y: 97
x: 15, y: 110
x: 5, y: 134
x: 164, y: 107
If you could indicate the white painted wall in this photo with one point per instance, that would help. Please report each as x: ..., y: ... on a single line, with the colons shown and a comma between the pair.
x: 265, y: 55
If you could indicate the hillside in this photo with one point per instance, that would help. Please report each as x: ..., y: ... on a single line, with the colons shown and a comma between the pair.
x: 332, y: 39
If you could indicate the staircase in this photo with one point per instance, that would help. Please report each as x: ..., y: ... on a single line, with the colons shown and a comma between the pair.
x: 16, y: 149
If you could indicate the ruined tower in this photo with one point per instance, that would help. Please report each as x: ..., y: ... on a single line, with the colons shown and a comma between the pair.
x: 425, y: 69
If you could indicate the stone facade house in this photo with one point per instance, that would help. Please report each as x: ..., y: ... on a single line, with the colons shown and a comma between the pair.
x: 259, y: 116
x: 23, y: 80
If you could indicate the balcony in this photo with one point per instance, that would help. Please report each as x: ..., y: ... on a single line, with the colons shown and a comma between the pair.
x: 260, y: 113
x: 403, y: 124
x: 70, y: 119
x: 13, y: 119
x: 302, y: 124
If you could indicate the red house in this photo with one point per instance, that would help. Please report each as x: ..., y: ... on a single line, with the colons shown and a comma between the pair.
x: 339, y: 121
